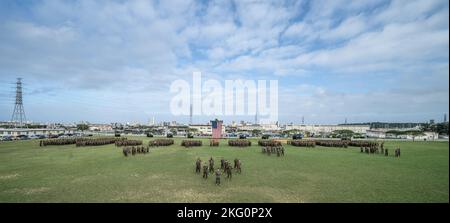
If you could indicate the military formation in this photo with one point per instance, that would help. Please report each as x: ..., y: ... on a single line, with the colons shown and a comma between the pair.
x: 302, y: 143
x: 378, y: 148
x: 161, y: 142
x: 214, y: 143
x: 57, y: 142
x: 125, y: 142
x: 239, y: 143
x: 96, y: 141
x: 191, y: 143
x: 365, y: 143
x: 269, y: 150
x: 133, y: 150
x: 225, y: 168
x: 269, y: 143
x: 332, y: 143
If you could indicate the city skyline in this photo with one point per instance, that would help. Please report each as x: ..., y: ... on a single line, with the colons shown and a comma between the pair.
x: 377, y: 61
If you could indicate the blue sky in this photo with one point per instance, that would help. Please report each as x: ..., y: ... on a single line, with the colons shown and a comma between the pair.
x: 114, y: 61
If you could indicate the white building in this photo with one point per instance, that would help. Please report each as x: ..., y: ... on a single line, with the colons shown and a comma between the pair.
x: 374, y: 133
x: 328, y: 128
x: 31, y: 132
x: 205, y: 129
x: 101, y: 127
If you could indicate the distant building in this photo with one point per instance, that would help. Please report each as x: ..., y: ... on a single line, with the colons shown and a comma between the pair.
x: 32, y: 132
x: 202, y: 129
x: 317, y: 129
x: 101, y: 127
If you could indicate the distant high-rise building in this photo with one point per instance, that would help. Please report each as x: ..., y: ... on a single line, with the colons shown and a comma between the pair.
x: 445, y: 118
x: 431, y: 121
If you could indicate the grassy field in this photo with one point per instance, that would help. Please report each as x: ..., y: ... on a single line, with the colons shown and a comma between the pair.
x: 29, y: 173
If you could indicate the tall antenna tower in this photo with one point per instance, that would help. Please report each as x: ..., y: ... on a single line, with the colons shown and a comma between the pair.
x: 18, y: 117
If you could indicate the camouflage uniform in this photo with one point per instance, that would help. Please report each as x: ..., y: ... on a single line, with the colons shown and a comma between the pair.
x: 217, y: 177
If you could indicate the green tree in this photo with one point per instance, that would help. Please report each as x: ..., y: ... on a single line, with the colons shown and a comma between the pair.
x: 256, y: 132
x: 82, y: 127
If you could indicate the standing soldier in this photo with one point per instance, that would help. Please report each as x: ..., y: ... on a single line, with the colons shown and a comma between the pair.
x: 218, y: 176
x: 225, y: 165
x: 386, y: 152
x: 222, y: 163
x: 238, y: 166
x: 229, y: 173
x: 211, y: 165
x: 198, y: 164
x: 282, y: 151
x: 205, y: 171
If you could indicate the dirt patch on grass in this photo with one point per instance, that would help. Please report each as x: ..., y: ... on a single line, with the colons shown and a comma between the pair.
x: 28, y: 191
x: 275, y: 195
x: 9, y: 176
x: 136, y: 195
x: 190, y: 195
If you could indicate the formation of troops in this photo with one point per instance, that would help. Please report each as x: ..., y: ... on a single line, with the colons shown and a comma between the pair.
x: 302, y: 143
x: 332, y: 143
x: 378, y: 148
x: 57, y: 142
x: 269, y: 143
x: 126, y: 142
x: 269, y: 150
x: 191, y: 143
x: 239, y: 143
x: 214, y: 143
x: 97, y: 141
x: 81, y: 141
x: 133, y: 150
x: 225, y: 168
x: 161, y: 142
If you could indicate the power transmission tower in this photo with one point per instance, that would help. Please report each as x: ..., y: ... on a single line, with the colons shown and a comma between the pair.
x: 18, y: 117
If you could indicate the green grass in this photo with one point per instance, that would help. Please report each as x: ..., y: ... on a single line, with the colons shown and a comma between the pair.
x: 29, y: 173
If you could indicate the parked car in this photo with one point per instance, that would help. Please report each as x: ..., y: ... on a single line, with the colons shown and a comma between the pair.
x: 53, y: 136
x: 22, y: 137
x: 6, y: 138
x: 33, y: 137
